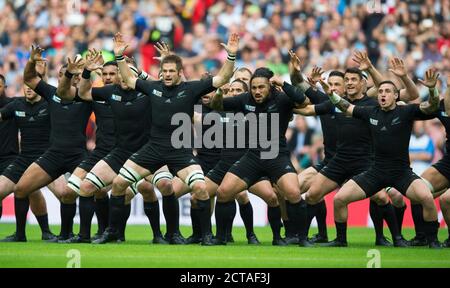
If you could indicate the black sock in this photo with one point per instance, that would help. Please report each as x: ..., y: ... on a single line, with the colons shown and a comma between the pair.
x: 448, y: 232
x: 288, y: 231
x: 151, y: 209
x: 377, y: 219
x: 230, y: 221
x: 417, y: 215
x: 399, y: 214
x: 311, y: 210
x: 125, y: 215
x: 1, y: 211
x: 204, y: 215
x: 431, y: 230
x: 224, y: 211
x: 87, y: 209
x: 21, y: 210
x: 67, y: 213
x: 298, y: 216
x: 43, y: 223
x: 102, y: 213
x: 274, y: 216
x: 117, y: 206
x: 171, y: 213
x: 195, y: 220
x: 246, y: 211
x: 321, y: 217
x: 388, y: 213
x: 341, y: 231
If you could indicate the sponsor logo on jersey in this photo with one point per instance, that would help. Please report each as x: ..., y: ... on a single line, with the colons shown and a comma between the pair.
x: 157, y: 93
x: 373, y: 121
x: 116, y: 97
x: 56, y: 99
x: 250, y: 108
x: 20, y: 114
x: 168, y: 101
x: 384, y: 128
x: 444, y: 114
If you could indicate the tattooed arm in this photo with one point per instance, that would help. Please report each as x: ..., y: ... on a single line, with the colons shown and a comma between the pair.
x: 342, y: 104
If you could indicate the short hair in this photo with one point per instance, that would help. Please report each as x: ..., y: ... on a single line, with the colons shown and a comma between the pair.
x: 389, y: 82
x: 336, y: 73
x: 172, y: 58
x: 354, y: 71
x: 244, y: 69
x: 244, y: 85
x: 262, y: 72
x: 110, y: 63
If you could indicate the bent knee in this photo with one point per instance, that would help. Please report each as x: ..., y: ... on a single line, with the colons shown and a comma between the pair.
x: 444, y: 199
x: 164, y: 186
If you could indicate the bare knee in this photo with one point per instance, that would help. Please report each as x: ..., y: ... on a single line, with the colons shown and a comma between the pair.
x: 165, y: 186
x: 223, y: 194
x: 242, y: 198
x: 20, y: 190
x: 339, y: 201
x: 444, y: 199
x: 199, y: 190
x: 87, y: 188
x: 381, y: 198
x: 119, y: 185
x: 68, y: 196
x: 313, y: 196
x: 272, y: 201
x: 396, y: 197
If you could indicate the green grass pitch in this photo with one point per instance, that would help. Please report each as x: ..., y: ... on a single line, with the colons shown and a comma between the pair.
x: 137, y: 252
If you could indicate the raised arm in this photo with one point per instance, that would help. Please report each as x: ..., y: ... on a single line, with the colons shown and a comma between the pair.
x: 432, y: 105
x: 30, y: 74
x: 366, y: 65
x: 295, y: 72
x: 337, y: 100
x: 398, y: 69
x: 226, y: 72
x: 65, y: 89
x: 119, y: 47
x: 94, y: 61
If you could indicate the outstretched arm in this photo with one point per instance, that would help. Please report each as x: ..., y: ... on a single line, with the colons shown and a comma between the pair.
x: 309, y: 110
x: 30, y: 74
x: 119, y: 47
x: 432, y: 105
x: 398, y: 69
x: 337, y: 100
x: 226, y: 71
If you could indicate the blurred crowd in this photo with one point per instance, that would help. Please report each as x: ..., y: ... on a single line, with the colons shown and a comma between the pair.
x: 323, y: 33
